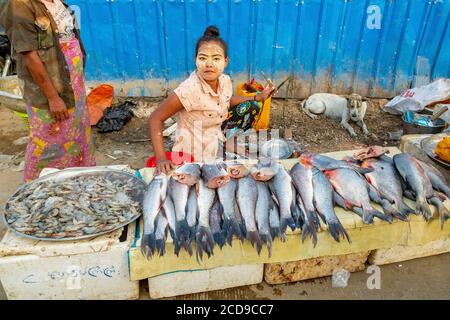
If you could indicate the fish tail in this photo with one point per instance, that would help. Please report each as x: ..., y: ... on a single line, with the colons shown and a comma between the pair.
x: 337, y: 231
x: 390, y: 210
x: 192, y: 231
x: 253, y: 237
x: 404, y: 208
x: 184, y: 229
x: 444, y: 214
x: 148, y: 245
x: 161, y: 247
x: 368, y: 214
x: 285, y: 222
x: 309, y: 229
x: 275, y: 231
x: 219, y: 238
x: 204, y: 241
x: 267, y: 240
x: 423, y: 208
x: 231, y: 227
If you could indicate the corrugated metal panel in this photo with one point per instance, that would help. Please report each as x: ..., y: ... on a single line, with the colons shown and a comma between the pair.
x: 146, y: 47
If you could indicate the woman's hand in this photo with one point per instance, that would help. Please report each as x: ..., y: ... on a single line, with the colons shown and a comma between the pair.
x: 164, y: 166
x: 267, y: 92
x: 57, y: 108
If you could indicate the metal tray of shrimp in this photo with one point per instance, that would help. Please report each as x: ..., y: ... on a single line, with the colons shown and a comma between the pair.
x: 75, y: 204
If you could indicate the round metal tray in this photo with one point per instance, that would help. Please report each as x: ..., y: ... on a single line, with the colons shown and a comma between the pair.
x: 429, y: 145
x: 62, y: 175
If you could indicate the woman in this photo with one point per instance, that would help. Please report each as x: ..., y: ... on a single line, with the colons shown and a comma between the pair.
x: 202, y: 105
x: 51, y: 60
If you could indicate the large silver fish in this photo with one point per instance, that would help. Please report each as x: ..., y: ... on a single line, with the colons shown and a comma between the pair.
x: 227, y: 198
x: 204, y: 238
x: 214, y: 175
x: 326, y: 163
x: 215, y: 222
x: 246, y: 198
x: 302, y: 174
x: 180, y: 193
x: 437, y: 179
x: 161, y: 233
x: 153, y: 201
x: 281, y: 188
x: 188, y: 173
x: 354, y: 190
x: 263, y: 207
x: 323, y: 201
x: 387, y: 181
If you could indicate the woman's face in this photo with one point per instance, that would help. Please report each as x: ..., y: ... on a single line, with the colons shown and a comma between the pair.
x: 211, y: 61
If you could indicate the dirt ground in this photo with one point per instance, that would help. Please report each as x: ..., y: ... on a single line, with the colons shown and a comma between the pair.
x: 424, y: 278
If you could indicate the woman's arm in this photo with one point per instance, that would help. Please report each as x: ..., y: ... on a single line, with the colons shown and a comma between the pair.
x: 268, y: 91
x: 166, y: 109
x: 35, y: 66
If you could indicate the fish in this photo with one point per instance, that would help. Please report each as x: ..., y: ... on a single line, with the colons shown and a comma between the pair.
x: 215, y: 221
x: 227, y: 198
x: 437, y: 179
x: 264, y: 170
x: 179, y: 193
x: 188, y: 173
x: 324, y: 204
x: 326, y: 163
x: 214, y: 175
x: 246, y: 199
x: 262, y: 215
x: 414, y: 175
x: 206, y: 197
x: 302, y: 175
x: 281, y: 188
x: 161, y: 233
x: 236, y: 170
x: 353, y: 188
x: 154, y: 198
x: 192, y: 212
x: 387, y: 181
x: 274, y: 222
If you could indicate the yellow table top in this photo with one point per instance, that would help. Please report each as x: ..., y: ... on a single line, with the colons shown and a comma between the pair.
x: 364, y: 237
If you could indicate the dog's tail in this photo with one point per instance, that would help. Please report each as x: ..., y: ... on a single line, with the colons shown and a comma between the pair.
x: 302, y: 104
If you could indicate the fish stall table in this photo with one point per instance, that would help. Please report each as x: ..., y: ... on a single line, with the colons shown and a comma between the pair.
x: 173, y: 275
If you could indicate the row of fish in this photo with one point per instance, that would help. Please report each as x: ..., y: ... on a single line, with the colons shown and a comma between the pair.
x: 210, y: 204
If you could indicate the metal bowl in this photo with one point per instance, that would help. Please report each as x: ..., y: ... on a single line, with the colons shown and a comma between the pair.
x: 62, y: 175
x: 414, y: 128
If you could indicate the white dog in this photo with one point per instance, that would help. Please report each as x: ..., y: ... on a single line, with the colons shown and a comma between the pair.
x: 337, y: 108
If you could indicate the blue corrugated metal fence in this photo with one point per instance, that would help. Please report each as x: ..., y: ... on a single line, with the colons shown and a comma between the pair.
x: 373, y: 47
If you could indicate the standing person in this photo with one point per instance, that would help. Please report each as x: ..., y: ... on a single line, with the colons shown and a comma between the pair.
x: 50, y: 59
x: 202, y: 104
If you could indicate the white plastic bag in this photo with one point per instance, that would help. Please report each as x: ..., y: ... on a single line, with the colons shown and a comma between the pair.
x: 417, y: 99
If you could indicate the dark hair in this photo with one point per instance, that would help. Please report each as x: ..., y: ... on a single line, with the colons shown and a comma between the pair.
x: 212, y: 34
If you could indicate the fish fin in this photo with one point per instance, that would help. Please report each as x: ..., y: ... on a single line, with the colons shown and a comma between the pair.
x: 390, y: 210
x: 285, y: 222
x: 148, y: 245
x: 404, y: 208
x: 267, y: 240
x: 192, y: 231
x: 253, y: 237
x: 337, y: 231
x: 161, y: 247
x: 423, y: 208
x: 444, y: 214
x: 369, y: 214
